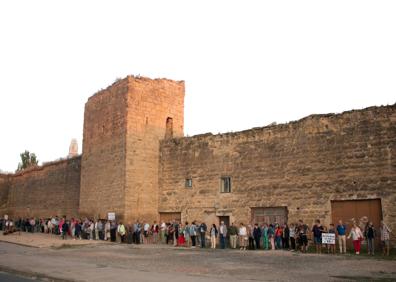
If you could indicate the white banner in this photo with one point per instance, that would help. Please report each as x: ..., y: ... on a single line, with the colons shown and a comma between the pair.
x: 111, y: 216
x: 328, y: 238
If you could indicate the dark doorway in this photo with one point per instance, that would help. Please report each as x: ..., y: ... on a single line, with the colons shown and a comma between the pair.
x: 226, y: 220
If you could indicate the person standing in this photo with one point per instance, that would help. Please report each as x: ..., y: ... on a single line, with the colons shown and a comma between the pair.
x: 213, y: 236
x: 100, y: 229
x: 278, y: 236
x: 175, y: 232
x: 233, y: 231
x: 193, y: 234
x: 271, y: 236
x: 341, y: 232
x: 155, y: 232
x: 285, y: 237
x: 242, y: 236
x: 264, y: 234
x: 121, y: 231
x: 162, y: 232
x: 181, y: 241
x: 146, y: 229
x: 77, y: 230
x: 357, y: 236
x: 369, y: 233
x: 250, y: 237
x: 385, y: 238
x: 202, y: 232
x: 257, y: 235
x: 223, y: 235
x: 113, y: 231
x: 317, y: 231
x: 65, y: 229
x: 331, y: 247
x: 302, y: 235
x: 107, y: 230
x: 187, y: 237
x: 292, y: 235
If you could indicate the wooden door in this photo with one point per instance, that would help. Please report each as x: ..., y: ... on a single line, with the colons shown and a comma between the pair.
x: 226, y: 220
x: 269, y: 215
x: 359, y: 211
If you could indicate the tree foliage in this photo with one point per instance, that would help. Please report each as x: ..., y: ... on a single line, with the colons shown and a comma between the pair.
x: 27, y: 160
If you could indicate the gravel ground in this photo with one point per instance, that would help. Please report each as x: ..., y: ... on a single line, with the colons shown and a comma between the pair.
x: 114, y: 262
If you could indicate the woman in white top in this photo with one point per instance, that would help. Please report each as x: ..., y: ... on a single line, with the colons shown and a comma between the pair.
x: 242, y: 236
x: 357, y: 236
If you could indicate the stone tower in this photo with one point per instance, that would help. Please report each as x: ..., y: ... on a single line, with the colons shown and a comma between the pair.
x: 123, y: 125
x: 73, y: 148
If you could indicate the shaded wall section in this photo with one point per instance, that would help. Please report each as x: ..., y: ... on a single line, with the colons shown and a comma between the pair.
x: 4, y: 188
x: 48, y: 190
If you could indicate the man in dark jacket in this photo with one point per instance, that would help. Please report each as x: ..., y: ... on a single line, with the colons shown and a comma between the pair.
x: 257, y: 235
x: 65, y: 229
x: 202, y: 232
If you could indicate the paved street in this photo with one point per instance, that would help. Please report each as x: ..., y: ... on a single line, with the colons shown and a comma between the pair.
x: 9, y: 277
x: 114, y: 262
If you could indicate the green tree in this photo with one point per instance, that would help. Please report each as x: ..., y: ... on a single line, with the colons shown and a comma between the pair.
x: 27, y: 160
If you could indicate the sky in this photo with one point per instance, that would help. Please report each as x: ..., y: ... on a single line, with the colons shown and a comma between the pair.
x: 245, y: 63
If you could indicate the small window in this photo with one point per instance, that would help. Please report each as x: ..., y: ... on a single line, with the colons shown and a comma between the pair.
x: 169, y: 128
x: 188, y: 183
x: 225, y: 185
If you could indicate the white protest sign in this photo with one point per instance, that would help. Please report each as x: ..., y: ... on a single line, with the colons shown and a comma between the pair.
x: 328, y: 238
x: 111, y: 216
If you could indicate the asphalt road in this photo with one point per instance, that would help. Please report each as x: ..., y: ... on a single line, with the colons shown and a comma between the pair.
x: 115, y: 262
x: 9, y: 277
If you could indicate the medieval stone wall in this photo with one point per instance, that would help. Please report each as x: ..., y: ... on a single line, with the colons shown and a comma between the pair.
x: 4, y: 188
x: 44, y: 191
x: 302, y: 165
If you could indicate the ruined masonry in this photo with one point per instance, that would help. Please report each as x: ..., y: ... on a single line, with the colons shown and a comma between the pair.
x: 137, y: 163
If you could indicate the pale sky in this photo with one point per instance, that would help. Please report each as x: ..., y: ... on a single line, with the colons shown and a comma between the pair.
x: 245, y: 63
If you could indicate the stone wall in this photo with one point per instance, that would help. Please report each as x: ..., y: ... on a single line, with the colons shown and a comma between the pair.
x: 4, y: 188
x: 48, y: 190
x: 302, y: 165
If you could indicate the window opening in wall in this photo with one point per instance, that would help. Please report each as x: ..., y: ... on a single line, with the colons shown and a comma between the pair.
x: 169, y: 128
x: 188, y: 183
x: 225, y: 184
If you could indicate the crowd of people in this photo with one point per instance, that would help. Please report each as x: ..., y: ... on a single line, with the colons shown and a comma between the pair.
x: 293, y: 237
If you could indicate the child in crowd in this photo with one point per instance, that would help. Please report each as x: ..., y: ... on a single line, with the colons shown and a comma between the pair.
x: 331, y: 247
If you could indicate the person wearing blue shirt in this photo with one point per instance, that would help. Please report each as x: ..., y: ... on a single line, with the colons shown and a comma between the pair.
x: 341, y: 230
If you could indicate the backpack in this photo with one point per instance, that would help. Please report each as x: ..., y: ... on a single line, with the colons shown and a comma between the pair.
x: 193, y: 231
